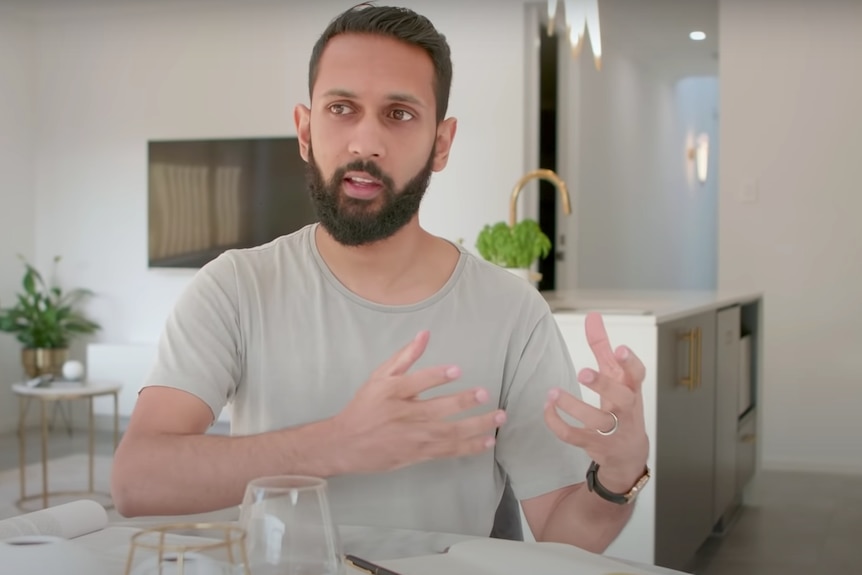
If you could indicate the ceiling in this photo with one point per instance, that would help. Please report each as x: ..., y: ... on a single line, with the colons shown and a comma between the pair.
x: 653, y: 32
x: 656, y: 34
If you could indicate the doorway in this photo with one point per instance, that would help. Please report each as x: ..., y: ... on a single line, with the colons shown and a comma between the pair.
x: 548, y: 122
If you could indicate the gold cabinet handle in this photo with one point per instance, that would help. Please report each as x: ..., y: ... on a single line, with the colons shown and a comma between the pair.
x: 699, y: 372
x: 689, y: 380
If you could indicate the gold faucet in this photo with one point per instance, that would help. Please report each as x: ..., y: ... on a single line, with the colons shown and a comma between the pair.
x: 543, y: 174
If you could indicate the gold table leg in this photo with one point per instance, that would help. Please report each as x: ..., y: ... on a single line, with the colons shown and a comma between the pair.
x: 92, y: 445
x: 44, y: 412
x: 44, y: 496
x: 23, y: 404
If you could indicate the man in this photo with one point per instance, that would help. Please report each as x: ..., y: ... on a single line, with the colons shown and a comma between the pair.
x: 414, y: 376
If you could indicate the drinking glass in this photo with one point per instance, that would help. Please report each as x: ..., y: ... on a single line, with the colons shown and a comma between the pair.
x: 289, y: 527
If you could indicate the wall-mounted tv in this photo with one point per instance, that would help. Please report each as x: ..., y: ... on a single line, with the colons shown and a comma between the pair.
x: 207, y: 196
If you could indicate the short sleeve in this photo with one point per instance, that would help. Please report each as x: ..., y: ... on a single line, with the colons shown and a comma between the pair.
x: 199, y: 350
x: 535, y: 459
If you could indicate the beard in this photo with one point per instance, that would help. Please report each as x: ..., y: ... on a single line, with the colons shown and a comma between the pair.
x: 355, y: 222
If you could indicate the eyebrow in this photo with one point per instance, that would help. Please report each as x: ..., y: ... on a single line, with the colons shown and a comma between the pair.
x: 395, y: 96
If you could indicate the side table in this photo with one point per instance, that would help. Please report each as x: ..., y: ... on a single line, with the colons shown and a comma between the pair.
x: 60, y: 392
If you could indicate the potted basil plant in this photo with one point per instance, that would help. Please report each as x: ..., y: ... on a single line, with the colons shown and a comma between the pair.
x: 515, y: 248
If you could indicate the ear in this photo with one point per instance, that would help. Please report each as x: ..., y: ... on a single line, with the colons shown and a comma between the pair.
x: 302, y: 119
x: 445, y: 134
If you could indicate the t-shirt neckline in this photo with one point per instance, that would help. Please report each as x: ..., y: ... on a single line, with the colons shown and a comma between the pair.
x: 343, y: 290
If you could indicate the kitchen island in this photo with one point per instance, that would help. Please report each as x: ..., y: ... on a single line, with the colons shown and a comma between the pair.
x: 702, y: 355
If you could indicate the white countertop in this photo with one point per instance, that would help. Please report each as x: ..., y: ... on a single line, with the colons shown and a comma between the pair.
x: 648, y: 307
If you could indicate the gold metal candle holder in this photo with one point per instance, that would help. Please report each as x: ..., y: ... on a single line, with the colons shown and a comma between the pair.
x: 174, y: 542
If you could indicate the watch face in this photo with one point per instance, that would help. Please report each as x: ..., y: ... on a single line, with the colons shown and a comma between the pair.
x: 632, y: 495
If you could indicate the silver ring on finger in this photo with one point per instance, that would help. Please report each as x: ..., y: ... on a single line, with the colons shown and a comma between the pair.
x: 613, y: 428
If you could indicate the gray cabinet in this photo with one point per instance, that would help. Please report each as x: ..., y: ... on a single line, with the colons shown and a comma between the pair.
x: 701, y: 403
x: 746, y: 451
x: 706, y: 438
x: 685, y: 446
x: 726, y: 410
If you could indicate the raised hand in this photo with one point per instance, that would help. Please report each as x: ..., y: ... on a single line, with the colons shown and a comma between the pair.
x: 386, y: 426
x: 614, y: 434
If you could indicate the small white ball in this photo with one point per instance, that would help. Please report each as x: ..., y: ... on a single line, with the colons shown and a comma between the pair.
x: 73, y: 370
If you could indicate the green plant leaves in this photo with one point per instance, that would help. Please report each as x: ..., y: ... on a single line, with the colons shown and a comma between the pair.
x: 515, y: 246
x: 44, y: 316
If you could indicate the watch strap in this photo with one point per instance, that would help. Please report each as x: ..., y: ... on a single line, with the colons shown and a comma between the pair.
x: 595, y: 486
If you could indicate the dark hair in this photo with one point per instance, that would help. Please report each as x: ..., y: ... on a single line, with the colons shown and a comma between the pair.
x: 399, y: 23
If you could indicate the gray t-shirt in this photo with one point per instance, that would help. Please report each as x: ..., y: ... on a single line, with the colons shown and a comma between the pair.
x: 271, y: 330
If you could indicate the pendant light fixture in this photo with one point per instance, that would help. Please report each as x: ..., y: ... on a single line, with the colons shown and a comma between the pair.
x: 582, y: 16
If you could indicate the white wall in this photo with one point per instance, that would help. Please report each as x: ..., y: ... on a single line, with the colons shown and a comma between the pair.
x: 112, y: 78
x: 16, y: 186
x: 791, y: 122
x: 642, y: 220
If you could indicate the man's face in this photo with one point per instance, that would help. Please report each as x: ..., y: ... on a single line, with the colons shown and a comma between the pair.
x: 371, y: 138
x: 356, y: 211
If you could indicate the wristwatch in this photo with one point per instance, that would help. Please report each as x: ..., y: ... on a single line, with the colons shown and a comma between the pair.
x: 619, y: 498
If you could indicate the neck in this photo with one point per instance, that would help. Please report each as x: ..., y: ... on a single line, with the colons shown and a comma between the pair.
x: 406, y: 267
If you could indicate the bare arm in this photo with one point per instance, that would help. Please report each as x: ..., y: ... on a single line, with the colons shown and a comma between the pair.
x: 165, y: 465
x: 576, y: 516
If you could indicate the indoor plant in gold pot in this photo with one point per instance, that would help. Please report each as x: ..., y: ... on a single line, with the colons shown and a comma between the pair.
x: 44, y: 319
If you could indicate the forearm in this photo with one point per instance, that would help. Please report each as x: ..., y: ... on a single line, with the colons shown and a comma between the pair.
x: 169, y: 474
x: 584, y: 519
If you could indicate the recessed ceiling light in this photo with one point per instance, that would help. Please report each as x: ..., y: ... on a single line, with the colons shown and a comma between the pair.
x: 697, y: 35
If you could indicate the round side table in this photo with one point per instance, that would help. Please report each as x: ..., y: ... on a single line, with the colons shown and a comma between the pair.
x: 55, y: 392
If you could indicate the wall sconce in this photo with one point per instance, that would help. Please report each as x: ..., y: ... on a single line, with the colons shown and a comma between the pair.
x: 699, y: 154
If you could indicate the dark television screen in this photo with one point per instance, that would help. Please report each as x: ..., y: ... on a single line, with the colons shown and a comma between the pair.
x: 207, y: 196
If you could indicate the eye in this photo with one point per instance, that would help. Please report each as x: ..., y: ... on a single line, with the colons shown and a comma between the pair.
x: 339, y: 109
x: 401, y: 115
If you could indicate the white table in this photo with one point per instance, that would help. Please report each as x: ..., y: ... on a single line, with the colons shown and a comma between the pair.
x: 376, y: 544
x: 59, y: 391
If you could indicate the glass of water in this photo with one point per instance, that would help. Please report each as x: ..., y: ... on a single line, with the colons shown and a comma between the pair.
x: 289, y: 527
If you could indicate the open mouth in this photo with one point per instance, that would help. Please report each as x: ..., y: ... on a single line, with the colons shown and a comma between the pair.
x: 361, y: 186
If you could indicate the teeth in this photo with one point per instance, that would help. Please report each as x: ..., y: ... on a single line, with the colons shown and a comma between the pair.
x: 363, y: 180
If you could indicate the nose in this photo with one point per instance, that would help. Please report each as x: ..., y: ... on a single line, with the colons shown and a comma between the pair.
x: 368, y: 138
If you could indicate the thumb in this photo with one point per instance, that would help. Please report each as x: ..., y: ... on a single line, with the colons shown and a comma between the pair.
x: 404, y: 358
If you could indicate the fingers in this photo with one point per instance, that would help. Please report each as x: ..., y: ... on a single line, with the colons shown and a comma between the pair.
x: 619, y: 388
x: 633, y: 367
x: 465, y: 437
x: 485, y: 424
x: 620, y: 362
x: 581, y: 437
x: 448, y: 405
x: 415, y: 383
x: 405, y: 357
x: 591, y: 417
x: 611, y: 390
x: 465, y: 447
x: 597, y: 337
